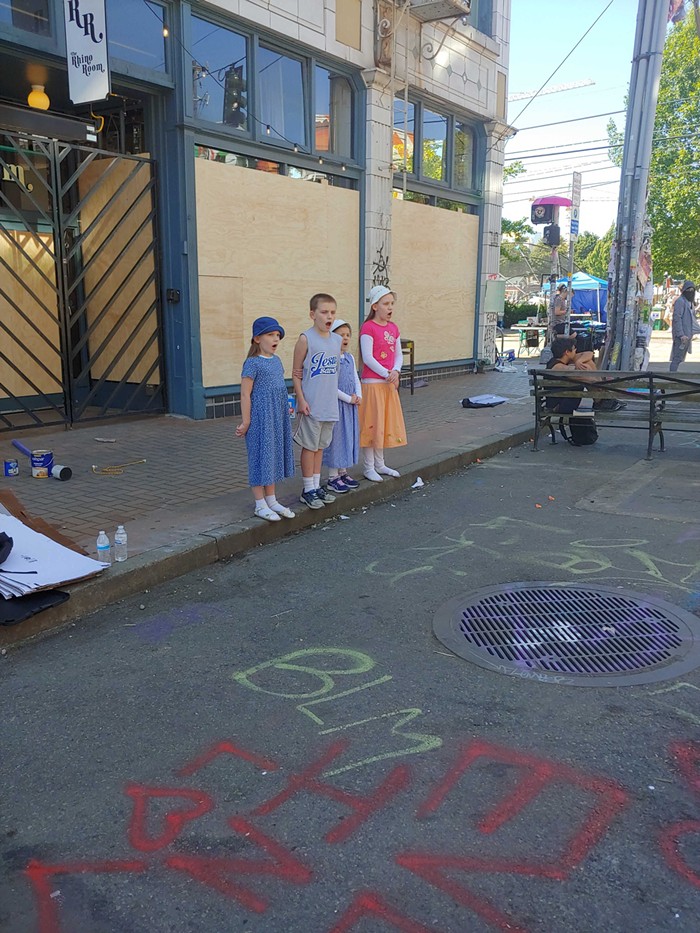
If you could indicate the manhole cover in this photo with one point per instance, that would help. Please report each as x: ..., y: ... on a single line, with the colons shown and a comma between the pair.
x: 584, y: 636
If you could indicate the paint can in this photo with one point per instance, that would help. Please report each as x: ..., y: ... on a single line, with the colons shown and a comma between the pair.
x: 42, y: 462
x: 61, y: 472
x: 11, y: 467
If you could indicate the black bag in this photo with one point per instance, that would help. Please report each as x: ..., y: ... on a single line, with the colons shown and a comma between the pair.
x: 583, y: 431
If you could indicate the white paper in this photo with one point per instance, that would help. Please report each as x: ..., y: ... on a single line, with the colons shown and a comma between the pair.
x: 54, y: 564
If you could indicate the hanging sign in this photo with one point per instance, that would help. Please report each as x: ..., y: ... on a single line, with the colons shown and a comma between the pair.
x: 86, y: 50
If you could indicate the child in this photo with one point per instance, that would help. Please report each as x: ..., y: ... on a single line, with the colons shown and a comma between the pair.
x: 344, y: 449
x: 381, y: 418
x: 315, y: 375
x: 265, y: 424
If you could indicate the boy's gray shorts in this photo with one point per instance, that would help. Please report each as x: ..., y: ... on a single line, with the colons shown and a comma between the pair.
x: 312, y: 434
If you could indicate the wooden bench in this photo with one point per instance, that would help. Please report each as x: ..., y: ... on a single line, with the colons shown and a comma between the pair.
x: 655, y: 401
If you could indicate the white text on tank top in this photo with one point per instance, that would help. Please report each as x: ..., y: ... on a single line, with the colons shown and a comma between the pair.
x: 320, y: 380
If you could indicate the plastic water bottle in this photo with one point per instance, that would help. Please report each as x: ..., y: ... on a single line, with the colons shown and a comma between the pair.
x: 104, y: 552
x: 120, y: 544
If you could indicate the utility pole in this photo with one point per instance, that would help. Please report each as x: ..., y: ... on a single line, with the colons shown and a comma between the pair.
x: 623, y: 301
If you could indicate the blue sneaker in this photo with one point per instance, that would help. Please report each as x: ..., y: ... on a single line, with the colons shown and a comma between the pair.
x: 338, y: 485
x: 325, y: 496
x: 349, y: 481
x: 312, y: 499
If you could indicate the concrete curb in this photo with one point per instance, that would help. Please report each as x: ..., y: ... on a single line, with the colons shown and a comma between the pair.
x: 166, y: 563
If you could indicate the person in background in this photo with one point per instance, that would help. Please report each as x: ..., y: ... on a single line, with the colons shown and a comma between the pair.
x: 560, y: 305
x: 684, y: 325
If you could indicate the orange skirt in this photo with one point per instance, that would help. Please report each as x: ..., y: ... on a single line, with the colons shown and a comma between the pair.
x: 381, y: 418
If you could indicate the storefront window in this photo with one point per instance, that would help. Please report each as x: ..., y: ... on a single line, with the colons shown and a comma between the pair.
x: 334, y: 114
x: 464, y: 156
x: 28, y: 15
x: 135, y: 32
x: 219, y: 75
x: 232, y: 158
x: 281, y: 95
x: 404, y: 135
x: 434, y: 149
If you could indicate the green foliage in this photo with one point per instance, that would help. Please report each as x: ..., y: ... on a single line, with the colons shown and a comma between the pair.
x: 514, y: 237
x: 512, y: 313
x: 585, y: 244
x: 513, y: 170
x: 598, y: 260
x: 674, y: 176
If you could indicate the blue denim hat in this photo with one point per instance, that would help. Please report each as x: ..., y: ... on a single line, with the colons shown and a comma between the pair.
x: 265, y: 325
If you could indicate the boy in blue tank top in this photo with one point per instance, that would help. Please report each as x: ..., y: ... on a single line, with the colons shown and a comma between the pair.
x: 315, y: 377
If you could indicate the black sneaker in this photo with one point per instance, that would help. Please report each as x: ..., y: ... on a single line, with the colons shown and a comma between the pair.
x: 349, y: 481
x: 312, y: 499
x: 325, y: 496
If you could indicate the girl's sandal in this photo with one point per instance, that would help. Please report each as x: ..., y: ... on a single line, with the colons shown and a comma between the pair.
x: 285, y: 512
x: 267, y: 514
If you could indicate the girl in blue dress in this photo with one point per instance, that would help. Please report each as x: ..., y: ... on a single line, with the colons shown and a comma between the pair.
x: 344, y: 450
x: 265, y: 424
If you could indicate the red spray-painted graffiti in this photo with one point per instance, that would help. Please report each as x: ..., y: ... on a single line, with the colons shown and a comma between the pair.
x: 162, y: 815
x: 687, y: 758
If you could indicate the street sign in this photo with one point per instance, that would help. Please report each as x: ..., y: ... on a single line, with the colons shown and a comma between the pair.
x: 573, y: 228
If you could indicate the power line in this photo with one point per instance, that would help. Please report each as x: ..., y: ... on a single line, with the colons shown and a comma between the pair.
x: 545, y: 83
x: 536, y: 179
x: 556, y: 155
x: 593, y: 116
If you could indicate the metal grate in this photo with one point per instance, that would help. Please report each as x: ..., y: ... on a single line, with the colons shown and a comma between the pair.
x: 577, y: 635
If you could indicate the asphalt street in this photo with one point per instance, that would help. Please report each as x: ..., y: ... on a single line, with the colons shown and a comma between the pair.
x: 280, y: 743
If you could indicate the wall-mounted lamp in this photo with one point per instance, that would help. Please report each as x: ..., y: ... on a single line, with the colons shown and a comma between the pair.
x: 38, y: 98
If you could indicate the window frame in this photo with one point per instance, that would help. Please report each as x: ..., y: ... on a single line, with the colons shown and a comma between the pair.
x: 418, y: 181
x: 124, y: 66
x: 254, y: 130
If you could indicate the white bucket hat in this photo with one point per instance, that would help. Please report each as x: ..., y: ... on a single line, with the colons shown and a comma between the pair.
x: 340, y: 323
x: 376, y: 293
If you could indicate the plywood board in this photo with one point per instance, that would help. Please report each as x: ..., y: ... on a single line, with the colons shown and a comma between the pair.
x: 434, y: 272
x: 265, y: 244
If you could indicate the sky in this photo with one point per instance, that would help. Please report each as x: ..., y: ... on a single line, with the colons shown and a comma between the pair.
x: 543, y: 32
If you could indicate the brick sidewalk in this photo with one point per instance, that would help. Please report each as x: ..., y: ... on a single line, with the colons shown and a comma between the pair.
x: 194, y: 479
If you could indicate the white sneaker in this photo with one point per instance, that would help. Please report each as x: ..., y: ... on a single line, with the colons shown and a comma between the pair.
x: 387, y: 471
x: 267, y: 513
x: 373, y: 476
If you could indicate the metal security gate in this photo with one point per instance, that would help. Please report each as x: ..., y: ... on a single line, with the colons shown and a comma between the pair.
x: 80, y: 317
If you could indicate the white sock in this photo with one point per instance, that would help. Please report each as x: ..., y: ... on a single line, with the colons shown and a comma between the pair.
x: 380, y: 466
x: 260, y: 503
x: 368, y: 464
x: 275, y: 505
x: 332, y: 473
x: 309, y: 483
x: 317, y: 481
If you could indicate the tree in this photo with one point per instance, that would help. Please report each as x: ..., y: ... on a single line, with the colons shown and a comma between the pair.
x: 515, y: 235
x: 598, y: 260
x: 513, y: 170
x: 584, y: 246
x: 674, y: 175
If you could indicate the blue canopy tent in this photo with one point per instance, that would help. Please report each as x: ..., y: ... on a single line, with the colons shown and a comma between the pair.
x: 590, y: 294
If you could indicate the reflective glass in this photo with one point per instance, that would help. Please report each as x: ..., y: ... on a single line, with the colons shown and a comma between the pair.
x: 135, y: 32
x: 219, y: 74
x: 434, y: 154
x: 28, y: 15
x: 403, y: 136
x: 281, y: 95
x: 334, y: 111
x: 464, y: 156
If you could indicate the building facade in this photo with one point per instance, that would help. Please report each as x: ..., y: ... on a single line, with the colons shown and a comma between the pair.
x: 250, y: 153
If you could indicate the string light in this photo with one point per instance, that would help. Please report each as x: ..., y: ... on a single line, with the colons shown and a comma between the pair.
x: 296, y: 148
x: 343, y: 167
x: 320, y: 160
x: 166, y: 32
x: 267, y: 129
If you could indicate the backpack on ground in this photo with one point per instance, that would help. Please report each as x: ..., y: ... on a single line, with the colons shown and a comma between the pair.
x: 583, y: 431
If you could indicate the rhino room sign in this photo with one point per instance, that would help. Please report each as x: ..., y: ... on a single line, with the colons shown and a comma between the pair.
x: 86, y: 50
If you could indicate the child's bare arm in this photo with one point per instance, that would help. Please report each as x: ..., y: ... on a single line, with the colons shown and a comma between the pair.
x: 300, y: 350
x: 246, y: 391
